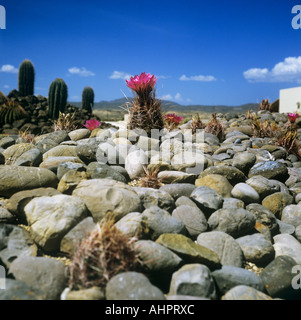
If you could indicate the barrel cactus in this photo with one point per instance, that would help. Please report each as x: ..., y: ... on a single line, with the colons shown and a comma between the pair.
x: 11, y: 111
x: 26, y: 78
x: 57, y: 98
x: 88, y: 99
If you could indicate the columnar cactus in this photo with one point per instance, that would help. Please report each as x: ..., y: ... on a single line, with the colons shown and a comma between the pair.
x: 26, y: 78
x: 88, y: 99
x: 57, y: 98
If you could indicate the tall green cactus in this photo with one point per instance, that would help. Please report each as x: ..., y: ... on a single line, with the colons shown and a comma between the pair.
x: 57, y: 98
x: 26, y: 78
x: 88, y: 99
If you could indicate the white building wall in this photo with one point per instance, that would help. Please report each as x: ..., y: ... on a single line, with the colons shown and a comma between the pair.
x: 289, y: 99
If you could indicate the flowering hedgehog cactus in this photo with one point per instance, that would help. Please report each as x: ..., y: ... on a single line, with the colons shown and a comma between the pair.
x: 145, y: 112
x: 172, y: 120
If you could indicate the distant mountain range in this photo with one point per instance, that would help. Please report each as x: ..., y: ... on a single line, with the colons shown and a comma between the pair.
x: 118, y: 104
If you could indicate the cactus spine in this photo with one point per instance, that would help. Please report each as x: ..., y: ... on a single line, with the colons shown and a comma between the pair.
x: 88, y: 99
x: 57, y: 98
x: 26, y: 78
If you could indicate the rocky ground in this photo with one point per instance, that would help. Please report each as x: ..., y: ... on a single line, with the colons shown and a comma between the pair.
x: 225, y: 223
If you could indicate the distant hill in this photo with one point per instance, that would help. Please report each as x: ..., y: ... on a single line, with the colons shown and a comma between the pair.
x: 117, y: 104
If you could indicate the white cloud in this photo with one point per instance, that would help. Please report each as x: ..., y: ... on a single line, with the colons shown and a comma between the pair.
x: 256, y: 74
x: 6, y: 86
x: 83, y: 72
x: 178, y: 97
x: 8, y: 68
x: 163, y: 77
x: 199, y: 78
x: 120, y: 75
x: 288, y: 70
x: 167, y: 97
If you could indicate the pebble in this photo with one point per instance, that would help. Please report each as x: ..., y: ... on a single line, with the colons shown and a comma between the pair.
x: 257, y: 249
x: 41, y: 273
x: 216, y: 182
x: 277, y: 277
x: 189, y: 251
x: 159, y: 221
x: 15, y: 242
x: 15, y: 178
x: 245, y: 193
x: 207, y: 199
x: 227, y: 249
x: 287, y: 245
x: 132, y: 286
x: 50, y: 218
x: 270, y: 170
x: 276, y: 202
x: 236, y: 222
x: 226, y: 215
x: 103, y: 196
x: 193, y: 218
x: 228, y: 277
x: 195, y: 280
x: 243, y: 292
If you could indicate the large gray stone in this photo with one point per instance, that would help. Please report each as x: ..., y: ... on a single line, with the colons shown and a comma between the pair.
x: 52, y: 140
x: 278, y: 276
x: 133, y: 225
x: 244, y: 161
x: 246, y: 193
x: 233, y: 174
x: 135, y: 163
x: 207, y: 199
x: 194, y: 280
x: 227, y: 249
x: 19, y: 200
x: 229, y: 277
x: 13, y: 152
x: 159, y: 221
x: 177, y: 190
x: 15, y: 178
x: 257, y: 249
x: 156, y: 258
x: 19, y: 290
x: 270, y: 170
x: 287, y: 245
x: 292, y: 214
x: 132, y: 286
x: 243, y: 292
x: 264, y: 216
x: 150, y: 197
x: 51, y: 218
x: 193, y: 219
x: 189, y: 251
x: 103, y: 171
x: 30, y: 158
x: 263, y: 186
x: 14, y: 242
x: 71, y: 240
x: 104, y: 196
x: 41, y: 273
x: 236, y: 222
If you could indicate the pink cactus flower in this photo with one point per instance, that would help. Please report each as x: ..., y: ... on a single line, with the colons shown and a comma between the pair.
x: 92, y: 124
x: 144, y: 82
x: 172, y: 118
x: 292, y: 117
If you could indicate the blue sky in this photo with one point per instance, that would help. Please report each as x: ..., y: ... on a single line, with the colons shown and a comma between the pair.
x: 203, y: 52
